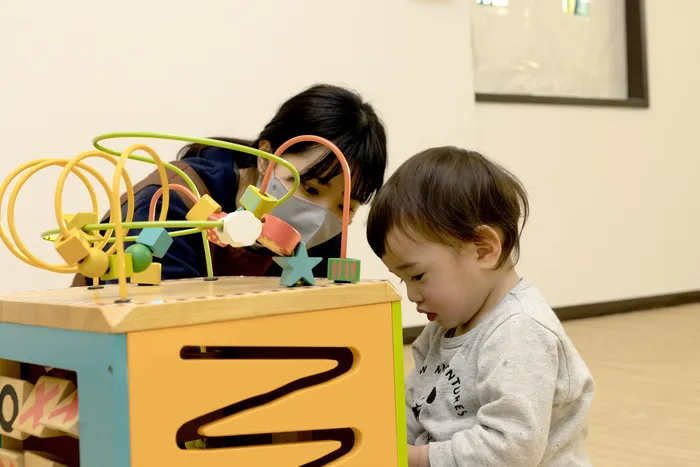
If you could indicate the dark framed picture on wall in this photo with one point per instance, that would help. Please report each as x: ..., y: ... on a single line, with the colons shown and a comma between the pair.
x: 570, y: 52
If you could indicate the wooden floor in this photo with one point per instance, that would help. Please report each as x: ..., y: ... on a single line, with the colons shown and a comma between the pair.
x: 646, y: 367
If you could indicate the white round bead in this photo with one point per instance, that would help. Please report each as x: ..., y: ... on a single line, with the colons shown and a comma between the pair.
x: 241, y: 228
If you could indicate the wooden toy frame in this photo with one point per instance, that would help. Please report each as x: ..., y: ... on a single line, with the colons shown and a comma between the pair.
x: 152, y: 369
x: 127, y: 355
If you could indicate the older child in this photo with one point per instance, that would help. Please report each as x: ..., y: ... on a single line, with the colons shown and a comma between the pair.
x: 497, y: 381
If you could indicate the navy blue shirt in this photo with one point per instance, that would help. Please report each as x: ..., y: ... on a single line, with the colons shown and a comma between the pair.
x: 219, y: 172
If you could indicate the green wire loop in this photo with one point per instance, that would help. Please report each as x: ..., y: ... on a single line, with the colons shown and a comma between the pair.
x: 205, y: 141
x: 195, y: 227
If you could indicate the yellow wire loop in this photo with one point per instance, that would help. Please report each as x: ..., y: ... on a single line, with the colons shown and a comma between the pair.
x: 116, y: 225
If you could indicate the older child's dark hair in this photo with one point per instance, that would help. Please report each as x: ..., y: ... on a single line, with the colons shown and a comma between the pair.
x: 444, y: 194
x: 332, y: 112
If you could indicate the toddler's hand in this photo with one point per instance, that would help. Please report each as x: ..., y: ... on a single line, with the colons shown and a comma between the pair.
x: 418, y: 456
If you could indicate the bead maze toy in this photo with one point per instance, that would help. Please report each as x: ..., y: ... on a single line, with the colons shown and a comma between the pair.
x: 216, y: 371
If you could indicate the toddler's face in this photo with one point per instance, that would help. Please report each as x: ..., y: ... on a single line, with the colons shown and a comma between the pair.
x: 448, y: 286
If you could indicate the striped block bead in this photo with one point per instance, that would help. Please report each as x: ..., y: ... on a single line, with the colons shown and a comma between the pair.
x: 257, y: 203
x: 344, y: 269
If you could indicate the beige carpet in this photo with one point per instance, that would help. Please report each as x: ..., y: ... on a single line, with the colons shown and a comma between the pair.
x: 647, y: 371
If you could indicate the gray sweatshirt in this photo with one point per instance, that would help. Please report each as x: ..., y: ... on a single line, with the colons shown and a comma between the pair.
x: 511, y: 392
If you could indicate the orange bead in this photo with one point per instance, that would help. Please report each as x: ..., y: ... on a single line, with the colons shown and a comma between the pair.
x: 213, y: 234
x: 278, y: 236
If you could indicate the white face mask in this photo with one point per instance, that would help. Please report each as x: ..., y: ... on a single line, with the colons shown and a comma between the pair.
x: 315, y: 223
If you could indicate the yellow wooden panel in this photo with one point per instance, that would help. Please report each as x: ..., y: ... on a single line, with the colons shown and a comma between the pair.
x: 167, y: 391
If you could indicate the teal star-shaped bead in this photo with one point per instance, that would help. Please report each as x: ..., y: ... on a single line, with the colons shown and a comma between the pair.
x: 298, y: 267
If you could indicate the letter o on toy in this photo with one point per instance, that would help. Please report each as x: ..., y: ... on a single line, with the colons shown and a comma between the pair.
x: 8, y: 391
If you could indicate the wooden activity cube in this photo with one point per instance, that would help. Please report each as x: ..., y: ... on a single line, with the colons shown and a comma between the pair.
x: 239, y: 371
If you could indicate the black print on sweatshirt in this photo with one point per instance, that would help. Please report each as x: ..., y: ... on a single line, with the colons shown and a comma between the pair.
x: 454, y: 393
x: 417, y: 406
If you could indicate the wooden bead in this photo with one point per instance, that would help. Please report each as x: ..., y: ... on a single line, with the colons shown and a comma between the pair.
x: 113, y: 271
x: 80, y: 220
x: 213, y: 233
x: 141, y: 256
x: 298, y: 268
x: 72, y: 247
x: 344, y: 269
x: 204, y: 208
x: 157, y: 239
x: 257, y: 203
x: 94, y: 264
x: 151, y: 276
x: 241, y: 228
x: 278, y: 236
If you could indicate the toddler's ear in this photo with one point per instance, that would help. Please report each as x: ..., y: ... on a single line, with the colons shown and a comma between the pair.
x: 488, y: 246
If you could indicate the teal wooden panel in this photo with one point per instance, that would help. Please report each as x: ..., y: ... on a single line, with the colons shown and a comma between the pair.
x: 100, y: 362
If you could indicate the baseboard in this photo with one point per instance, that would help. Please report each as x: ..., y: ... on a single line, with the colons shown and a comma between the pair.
x: 600, y: 309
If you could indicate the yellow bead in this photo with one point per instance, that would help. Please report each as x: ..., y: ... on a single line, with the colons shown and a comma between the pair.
x: 256, y: 203
x: 80, y: 220
x: 151, y: 276
x: 72, y: 247
x: 204, y: 208
x: 113, y: 272
x: 95, y: 264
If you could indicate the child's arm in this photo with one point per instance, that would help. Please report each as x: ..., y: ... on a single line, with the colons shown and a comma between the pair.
x: 420, y: 350
x: 518, y: 370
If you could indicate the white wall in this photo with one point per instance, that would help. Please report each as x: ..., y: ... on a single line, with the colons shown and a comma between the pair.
x: 71, y: 70
x: 614, y: 192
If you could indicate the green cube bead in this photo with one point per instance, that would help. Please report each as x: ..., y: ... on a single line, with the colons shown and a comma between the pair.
x: 344, y: 269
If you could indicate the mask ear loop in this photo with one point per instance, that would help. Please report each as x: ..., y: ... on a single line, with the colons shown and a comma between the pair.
x: 346, y: 179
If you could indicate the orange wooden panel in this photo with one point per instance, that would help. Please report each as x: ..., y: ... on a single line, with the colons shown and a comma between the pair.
x: 167, y: 391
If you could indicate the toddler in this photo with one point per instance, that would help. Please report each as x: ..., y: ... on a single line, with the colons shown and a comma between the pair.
x: 496, y: 382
